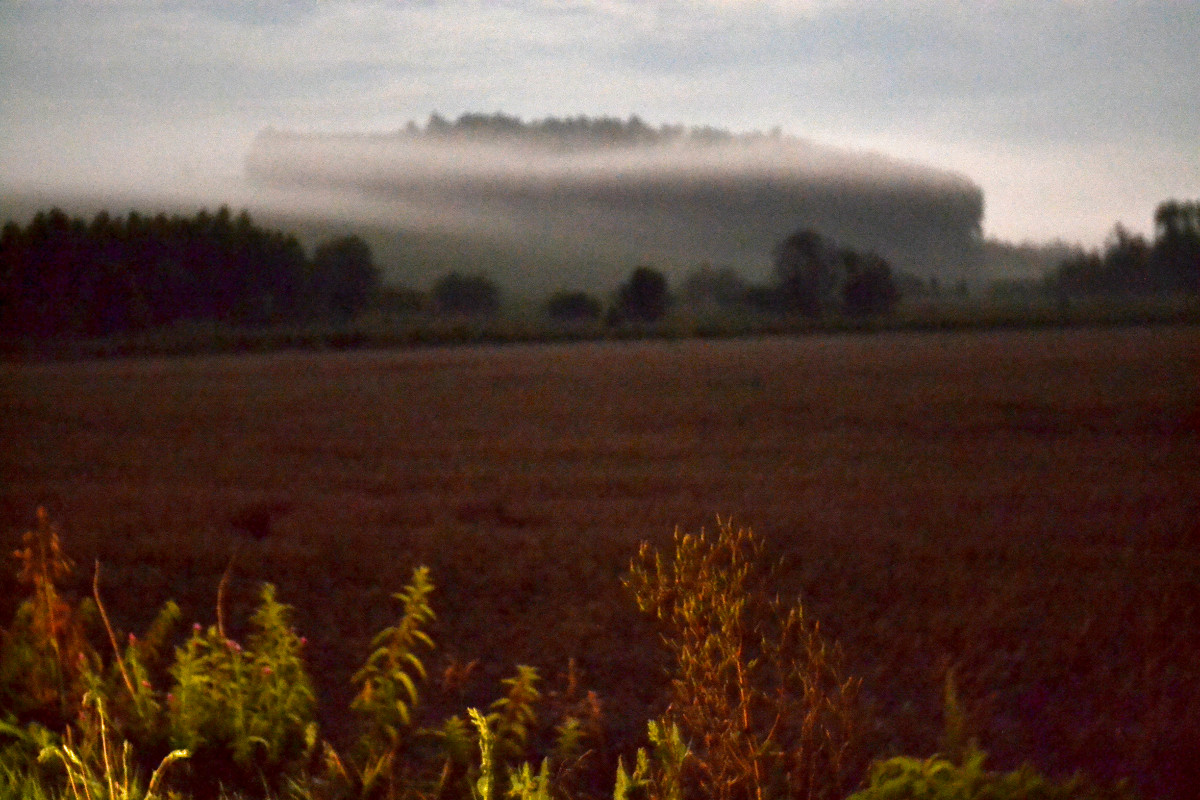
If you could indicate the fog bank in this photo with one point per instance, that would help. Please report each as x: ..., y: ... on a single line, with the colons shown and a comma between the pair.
x: 671, y: 200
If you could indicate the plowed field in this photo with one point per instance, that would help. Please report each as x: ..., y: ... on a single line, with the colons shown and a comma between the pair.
x: 1022, y: 506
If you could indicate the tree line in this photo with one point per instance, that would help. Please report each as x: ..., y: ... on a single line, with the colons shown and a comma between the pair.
x: 813, y: 277
x: 578, y: 131
x: 67, y: 277
x: 63, y: 276
x: 1131, y: 265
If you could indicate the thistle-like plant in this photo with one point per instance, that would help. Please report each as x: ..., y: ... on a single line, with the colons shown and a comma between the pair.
x: 46, y: 659
x: 130, y: 682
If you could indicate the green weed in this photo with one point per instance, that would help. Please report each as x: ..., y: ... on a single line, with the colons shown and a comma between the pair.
x: 937, y: 778
x: 254, y: 703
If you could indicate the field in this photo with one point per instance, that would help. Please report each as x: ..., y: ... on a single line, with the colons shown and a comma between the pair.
x: 1020, y: 506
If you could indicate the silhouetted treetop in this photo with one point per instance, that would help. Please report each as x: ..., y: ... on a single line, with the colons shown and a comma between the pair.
x: 644, y: 296
x: 568, y: 132
x: 66, y: 277
x: 1129, y: 264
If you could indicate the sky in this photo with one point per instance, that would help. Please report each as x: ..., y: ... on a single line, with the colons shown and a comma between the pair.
x: 1071, y: 115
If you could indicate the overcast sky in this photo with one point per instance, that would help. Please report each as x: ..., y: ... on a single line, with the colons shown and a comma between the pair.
x: 1070, y: 115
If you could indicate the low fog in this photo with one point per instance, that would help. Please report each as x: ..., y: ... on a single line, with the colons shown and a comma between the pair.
x: 557, y: 205
x: 535, y: 210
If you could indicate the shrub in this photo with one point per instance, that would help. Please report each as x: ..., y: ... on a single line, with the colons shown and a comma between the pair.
x: 755, y: 689
x: 466, y: 295
x: 254, y: 703
x: 573, y: 307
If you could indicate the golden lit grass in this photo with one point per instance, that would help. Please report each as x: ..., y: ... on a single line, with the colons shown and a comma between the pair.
x: 1019, y: 505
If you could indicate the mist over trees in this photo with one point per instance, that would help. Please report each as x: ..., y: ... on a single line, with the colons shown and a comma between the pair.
x: 63, y: 276
x: 599, y: 194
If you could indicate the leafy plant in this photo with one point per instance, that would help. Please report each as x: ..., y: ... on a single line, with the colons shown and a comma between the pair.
x: 254, y: 702
x: 936, y: 778
x: 46, y: 659
x: 660, y: 778
x: 387, y: 685
x: 755, y: 689
x: 514, y: 716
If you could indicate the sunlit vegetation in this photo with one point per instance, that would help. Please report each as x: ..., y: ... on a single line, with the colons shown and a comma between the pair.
x: 758, y: 706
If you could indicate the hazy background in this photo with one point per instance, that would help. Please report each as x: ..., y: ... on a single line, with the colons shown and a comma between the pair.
x: 1070, y: 115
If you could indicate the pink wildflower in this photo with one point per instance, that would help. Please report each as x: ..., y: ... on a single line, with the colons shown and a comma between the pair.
x: 267, y: 670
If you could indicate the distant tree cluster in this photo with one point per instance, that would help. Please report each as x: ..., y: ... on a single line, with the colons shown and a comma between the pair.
x: 579, y: 131
x: 1129, y: 264
x: 67, y: 277
x: 815, y: 277
x: 466, y: 295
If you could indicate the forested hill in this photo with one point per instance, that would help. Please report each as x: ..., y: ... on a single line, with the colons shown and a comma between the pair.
x: 612, y: 192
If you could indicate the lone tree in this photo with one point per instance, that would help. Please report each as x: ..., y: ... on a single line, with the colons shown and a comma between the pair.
x: 644, y: 297
x: 344, y: 276
x: 804, y: 272
x: 869, y: 287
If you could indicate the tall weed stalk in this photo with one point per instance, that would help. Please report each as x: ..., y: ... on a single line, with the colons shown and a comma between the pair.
x: 756, y: 689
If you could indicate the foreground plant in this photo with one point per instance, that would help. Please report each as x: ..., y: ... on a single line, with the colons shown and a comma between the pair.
x: 255, y: 703
x: 756, y: 689
x: 46, y: 659
x: 758, y: 708
x: 937, y: 778
x: 101, y: 768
